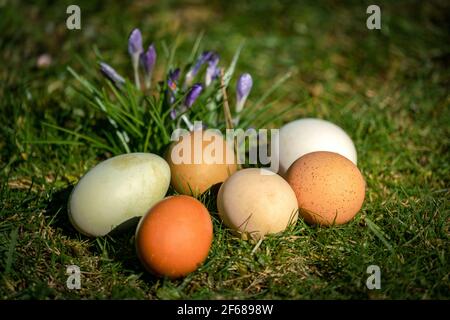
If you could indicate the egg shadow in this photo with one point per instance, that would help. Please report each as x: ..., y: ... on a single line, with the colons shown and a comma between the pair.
x: 215, y: 189
x: 125, y: 247
x: 56, y: 208
x: 209, y: 198
x: 120, y: 240
x: 122, y: 249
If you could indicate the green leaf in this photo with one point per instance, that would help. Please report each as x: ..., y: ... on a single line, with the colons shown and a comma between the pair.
x: 196, y: 46
x: 230, y: 71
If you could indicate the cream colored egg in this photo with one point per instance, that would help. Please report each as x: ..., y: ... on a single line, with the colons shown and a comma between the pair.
x: 117, y: 190
x: 257, y: 202
x: 303, y: 136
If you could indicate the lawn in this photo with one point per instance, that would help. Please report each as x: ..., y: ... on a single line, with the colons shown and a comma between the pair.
x: 388, y: 88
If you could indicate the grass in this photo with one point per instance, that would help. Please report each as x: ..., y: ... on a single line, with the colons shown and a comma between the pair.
x: 388, y: 89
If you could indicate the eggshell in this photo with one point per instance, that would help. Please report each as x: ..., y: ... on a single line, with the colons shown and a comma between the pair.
x: 330, y: 189
x: 116, y: 190
x: 257, y: 202
x: 303, y: 136
x: 173, y: 239
x: 203, y: 168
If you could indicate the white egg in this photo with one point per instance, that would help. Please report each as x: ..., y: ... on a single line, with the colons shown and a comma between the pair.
x: 117, y: 190
x: 303, y: 136
x: 257, y: 202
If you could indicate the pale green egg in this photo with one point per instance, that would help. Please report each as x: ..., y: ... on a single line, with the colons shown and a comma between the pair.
x: 116, y: 191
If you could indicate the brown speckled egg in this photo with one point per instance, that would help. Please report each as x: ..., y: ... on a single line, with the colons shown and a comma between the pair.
x: 199, y: 160
x: 330, y: 189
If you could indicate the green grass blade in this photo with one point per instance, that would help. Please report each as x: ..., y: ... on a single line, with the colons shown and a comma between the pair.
x: 276, y: 85
x: 57, y: 142
x: 95, y: 142
x: 11, y: 250
x: 230, y: 71
x: 379, y: 233
x: 196, y: 46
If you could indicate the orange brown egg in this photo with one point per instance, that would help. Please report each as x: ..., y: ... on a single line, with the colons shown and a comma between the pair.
x: 173, y: 239
x: 329, y: 188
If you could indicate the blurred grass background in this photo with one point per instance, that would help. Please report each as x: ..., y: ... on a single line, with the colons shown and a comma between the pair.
x: 388, y: 88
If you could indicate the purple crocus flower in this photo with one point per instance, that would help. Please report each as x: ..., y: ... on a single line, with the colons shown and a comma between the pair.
x: 213, y: 71
x: 243, y: 87
x: 135, y: 42
x: 135, y: 50
x: 173, y: 77
x: 172, y: 80
x: 148, y: 60
x: 173, y: 114
x: 111, y: 74
x: 193, y: 94
x: 171, y: 97
x: 203, y: 58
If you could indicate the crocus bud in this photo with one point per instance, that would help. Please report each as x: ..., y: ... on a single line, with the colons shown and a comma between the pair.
x: 173, y: 114
x: 172, y: 79
x: 111, y: 74
x: 148, y: 60
x: 213, y: 71
x: 135, y: 50
x: 135, y: 43
x: 203, y: 58
x: 193, y: 94
x: 243, y: 87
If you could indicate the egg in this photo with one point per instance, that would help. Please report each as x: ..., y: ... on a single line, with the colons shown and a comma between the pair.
x: 257, y: 202
x: 173, y: 239
x: 303, y: 136
x: 330, y: 189
x: 199, y: 160
x: 117, y: 190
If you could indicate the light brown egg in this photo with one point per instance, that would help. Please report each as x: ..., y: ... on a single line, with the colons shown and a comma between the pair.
x: 330, y: 189
x: 257, y: 202
x: 173, y: 239
x: 199, y: 160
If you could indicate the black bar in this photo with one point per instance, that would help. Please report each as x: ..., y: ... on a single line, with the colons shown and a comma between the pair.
x: 224, y: 309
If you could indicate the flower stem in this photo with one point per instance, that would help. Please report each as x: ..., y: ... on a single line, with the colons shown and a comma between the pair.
x: 188, y: 122
x: 226, y: 106
x: 228, y: 117
x: 147, y: 82
x: 136, y: 75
